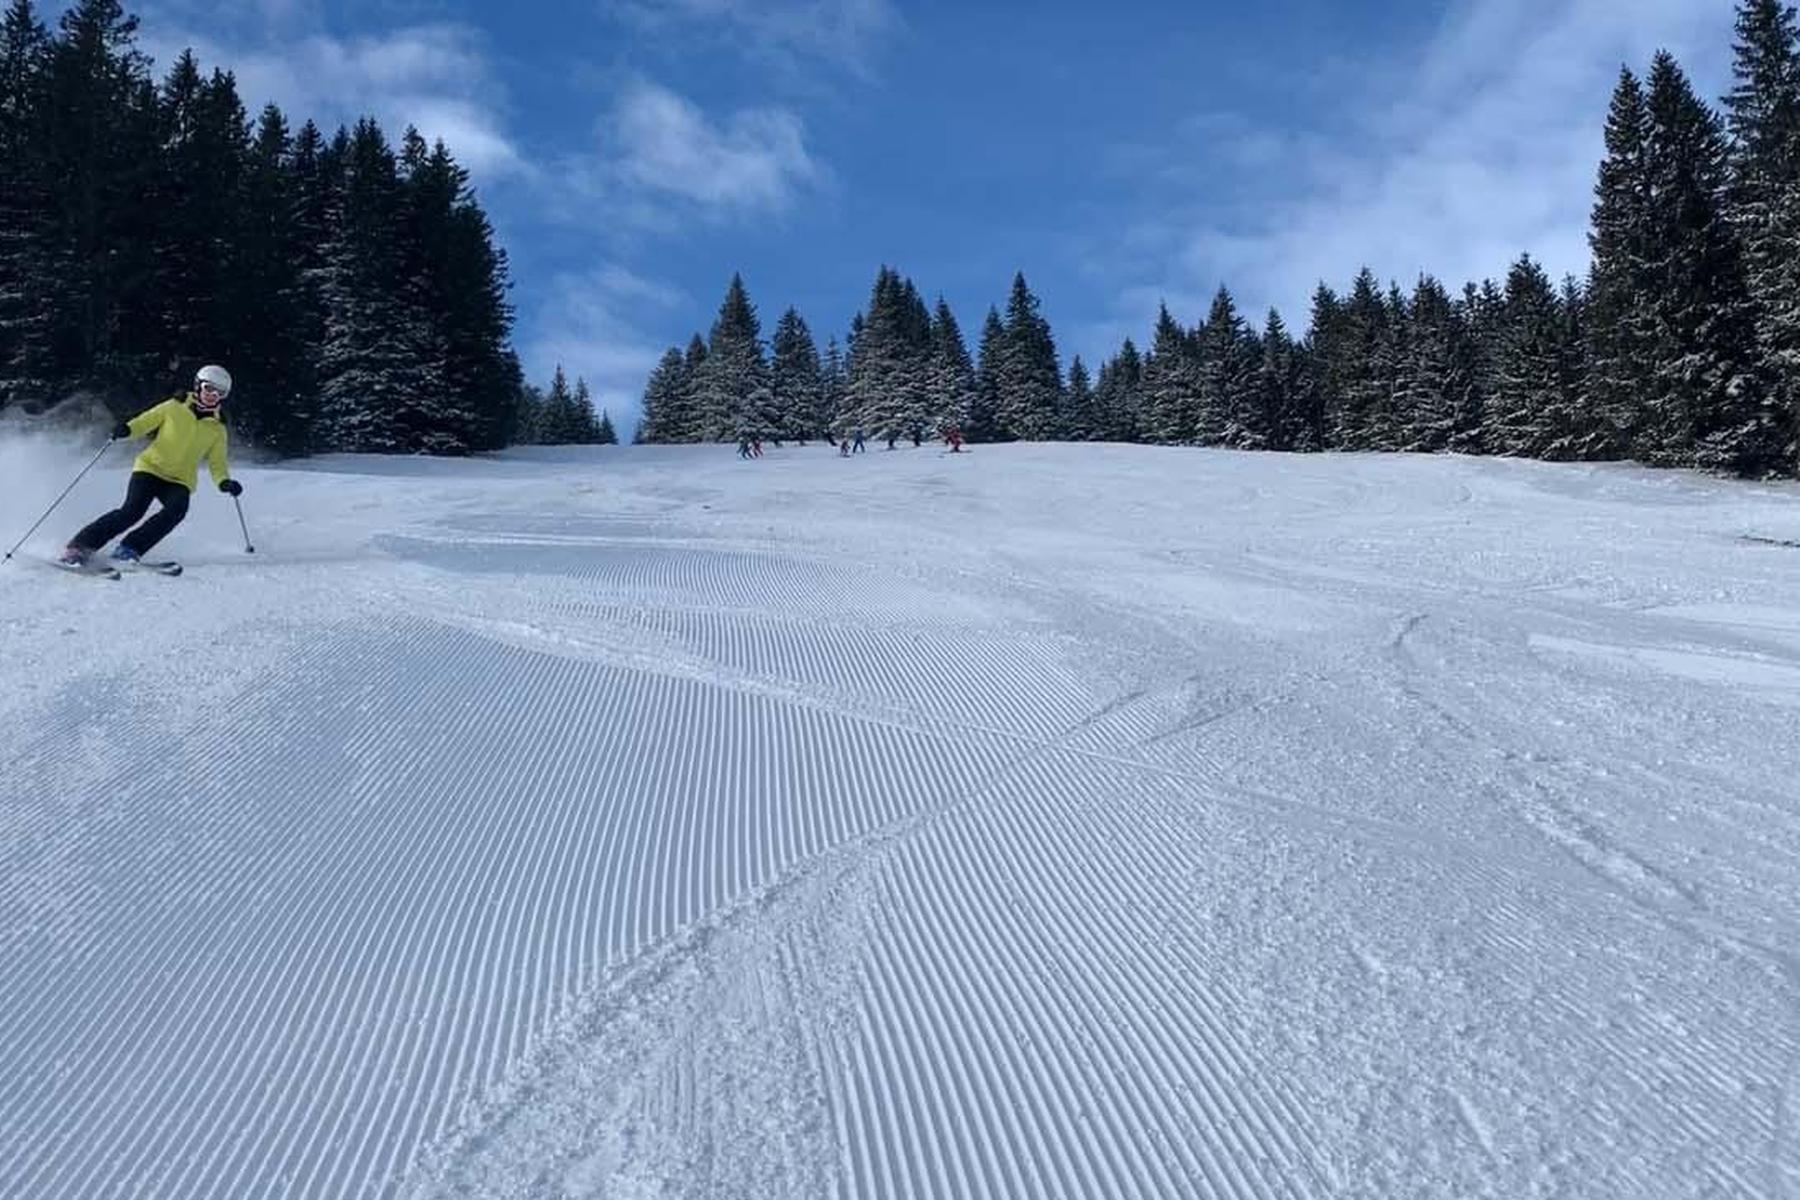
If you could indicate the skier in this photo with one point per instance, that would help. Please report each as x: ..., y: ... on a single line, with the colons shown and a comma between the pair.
x: 892, y: 438
x: 183, y: 429
x: 953, y: 435
x: 856, y: 447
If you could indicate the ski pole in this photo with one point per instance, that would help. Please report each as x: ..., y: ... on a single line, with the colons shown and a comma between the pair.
x: 248, y: 548
x: 57, y: 501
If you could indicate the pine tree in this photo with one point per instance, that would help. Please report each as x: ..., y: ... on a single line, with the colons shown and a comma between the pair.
x: 380, y: 366
x: 1439, y: 370
x: 558, y: 423
x: 1228, y: 413
x: 606, y: 435
x: 1709, y: 403
x: 887, y: 386
x: 1081, y: 422
x: 100, y: 149
x: 32, y: 292
x: 731, y: 386
x: 1279, y: 387
x: 1529, y: 404
x: 1029, y: 396
x: 1329, y: 354
x: 1118, y: 395
x: 1170, y: 384
x: 984, y: 405
x: 1763, y: 115
x: 833, y: 388
x: 1483, y: 311
x: 665, y: 399
x: 794, y: 379
x: 272, y: 406
x: 1620, y: 343
x: 952, y: 378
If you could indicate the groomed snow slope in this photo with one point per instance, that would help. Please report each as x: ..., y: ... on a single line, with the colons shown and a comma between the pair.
x: 1041, y: 821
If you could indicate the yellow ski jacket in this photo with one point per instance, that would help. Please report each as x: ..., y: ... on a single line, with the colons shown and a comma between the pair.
x: 182, y: 439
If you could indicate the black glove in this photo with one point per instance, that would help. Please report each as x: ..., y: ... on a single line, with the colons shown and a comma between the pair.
x: 231, y: 487
x: 121, y: 430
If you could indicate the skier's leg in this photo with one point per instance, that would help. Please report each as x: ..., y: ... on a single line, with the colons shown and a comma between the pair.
x: 174, y: 499
x: 138, y: 494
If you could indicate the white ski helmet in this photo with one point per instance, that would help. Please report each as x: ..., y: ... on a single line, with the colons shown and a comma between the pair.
x: 215, y: 376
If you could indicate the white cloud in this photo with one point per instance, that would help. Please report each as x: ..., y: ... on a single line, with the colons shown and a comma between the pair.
x: 592, y: 324
x: 838, y: 33
x: 663, y: 163
x: 1488, y: 149
x: 435, y: 77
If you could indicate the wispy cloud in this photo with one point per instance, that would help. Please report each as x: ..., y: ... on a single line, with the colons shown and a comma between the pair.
x: 593, y: 324
x: 663, y: 163
x: 436, y: 77
x: 1488, y: 149
x: 841, y: 34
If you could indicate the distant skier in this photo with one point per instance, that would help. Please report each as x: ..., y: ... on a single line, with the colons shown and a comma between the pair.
x: 184, y: 430
x: 892, y: 438
x: 917, y: 437
x: 953, y: 436
x: 856, y: 447
x: 844, y: 448
x: 743, y: 447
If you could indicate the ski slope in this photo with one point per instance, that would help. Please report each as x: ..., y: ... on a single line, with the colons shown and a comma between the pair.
x: 1041, y: 821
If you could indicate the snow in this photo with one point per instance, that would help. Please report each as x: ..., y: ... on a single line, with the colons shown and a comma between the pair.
x: 1041, y: 821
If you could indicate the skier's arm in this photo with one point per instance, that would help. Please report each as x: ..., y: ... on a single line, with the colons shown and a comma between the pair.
x: 149, y: 420
x: 215, y: 460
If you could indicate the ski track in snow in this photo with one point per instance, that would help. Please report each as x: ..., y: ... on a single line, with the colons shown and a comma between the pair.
x: 1400, y: 827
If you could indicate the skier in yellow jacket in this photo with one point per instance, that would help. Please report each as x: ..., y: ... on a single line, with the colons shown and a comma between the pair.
x: 184, y: 430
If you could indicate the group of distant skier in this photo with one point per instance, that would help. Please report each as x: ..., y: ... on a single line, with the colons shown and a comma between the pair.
x: 854, y: 441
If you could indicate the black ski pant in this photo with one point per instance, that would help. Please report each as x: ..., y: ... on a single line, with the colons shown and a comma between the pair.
x: 144, y: 488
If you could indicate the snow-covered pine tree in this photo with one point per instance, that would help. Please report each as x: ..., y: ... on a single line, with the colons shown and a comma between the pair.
x: 914, y: 385
x: 732, y: 384
x: 380, y: 367
x: 952, y: 388
x: 1365, y: 365
x: 1436, y: 369
x: 1081, y: 420
x: 984, y: 405
x: 585, y: 425
x: 606, y: 435
x: 1619, y: 349
x: 557, y: 421
x: 1030, y: 380
x: 665, y: 395
x: 1329, y: 357
x: 1118, y: 395
x: 1170, y: 384
x: 273, y: 404
x: 886, y: 386
x: 1483, y: 311
x: 1763, y: 117
x: 833, y: 387
x: 1228, y: 413
x: 1528, y: 405
x: 1709, y: 402
x: 794, y: 379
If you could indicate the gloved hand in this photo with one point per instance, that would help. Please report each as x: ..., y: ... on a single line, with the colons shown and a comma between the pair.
x: 121, y: 430
x: 231, y: 487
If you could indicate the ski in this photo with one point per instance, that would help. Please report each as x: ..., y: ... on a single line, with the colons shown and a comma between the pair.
x: 163, y: 567
x: 100, y: 570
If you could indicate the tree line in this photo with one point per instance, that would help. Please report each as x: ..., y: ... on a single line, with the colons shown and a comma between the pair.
x: 354, y: 288
x: 1680, y: 347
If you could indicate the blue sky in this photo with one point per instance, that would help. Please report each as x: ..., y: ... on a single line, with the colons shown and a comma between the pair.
x: 634, y: 153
